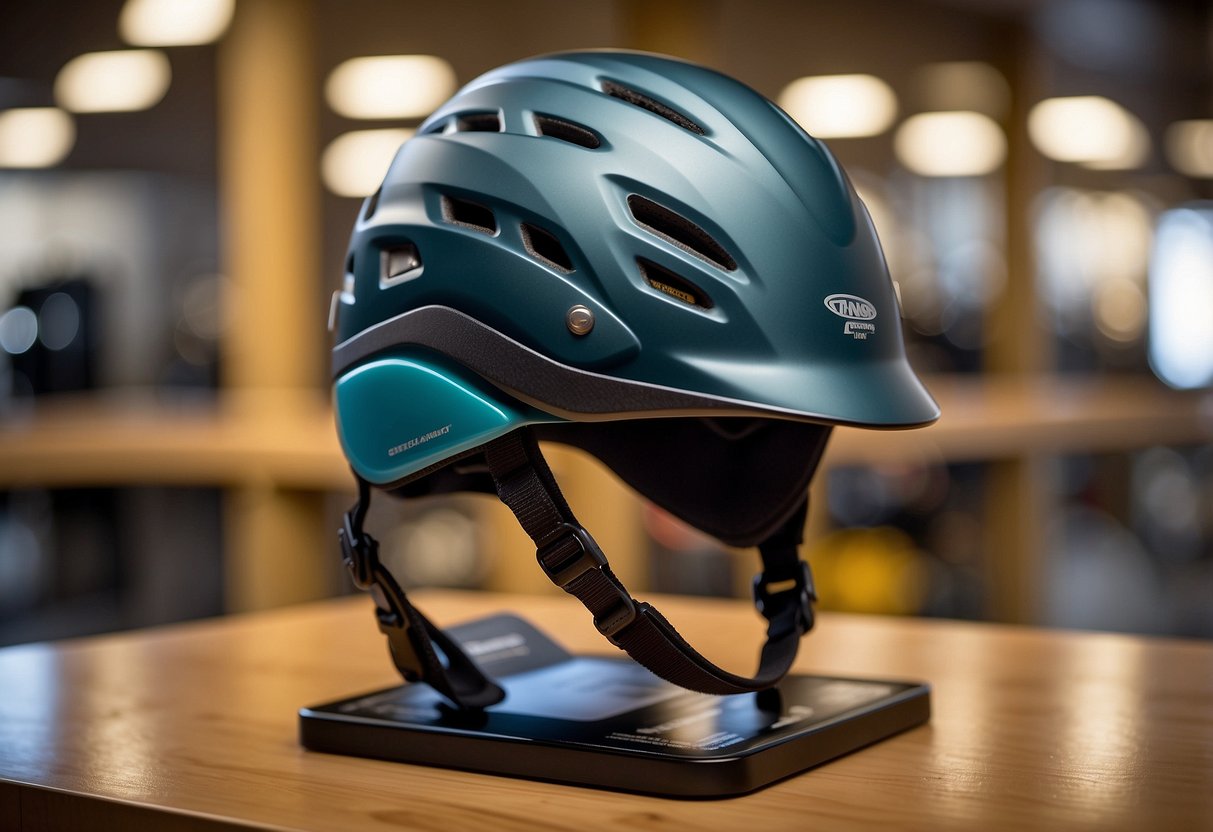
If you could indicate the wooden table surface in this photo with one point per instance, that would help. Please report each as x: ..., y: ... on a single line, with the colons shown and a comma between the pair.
x: 194, y: 727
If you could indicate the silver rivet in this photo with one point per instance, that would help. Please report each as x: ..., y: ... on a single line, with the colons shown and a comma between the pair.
x: 580, y: 320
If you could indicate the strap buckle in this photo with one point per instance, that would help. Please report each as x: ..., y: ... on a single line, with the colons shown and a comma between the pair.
x: 572, y: 565
x: 359, y: 553
x: 585, y: 557
x: 394, y: 624
x: 801, y: 583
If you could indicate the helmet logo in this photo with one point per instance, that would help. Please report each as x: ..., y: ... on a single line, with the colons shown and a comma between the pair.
x: 851, y: 306
x: 857, y: 311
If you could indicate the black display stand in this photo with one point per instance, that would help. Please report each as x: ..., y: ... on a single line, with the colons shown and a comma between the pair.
x: 609, y: 723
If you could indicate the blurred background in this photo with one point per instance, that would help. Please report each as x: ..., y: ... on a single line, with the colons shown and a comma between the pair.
x: 177, y: 183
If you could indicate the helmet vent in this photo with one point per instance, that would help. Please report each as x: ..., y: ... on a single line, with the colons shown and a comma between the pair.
x: 478, y: 123
x: 680, y: 231
x: 399, y: 263
x: 639, y: 99
x: 544, y: 246
x: 668, y: 283
x: 468, y: 214
x: 566, y: 131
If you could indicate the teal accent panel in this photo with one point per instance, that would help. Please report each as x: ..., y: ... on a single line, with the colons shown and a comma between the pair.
x: 397, y: 415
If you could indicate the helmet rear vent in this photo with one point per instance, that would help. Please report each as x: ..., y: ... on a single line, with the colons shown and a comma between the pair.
x: 680, y: 231
x: 639, y: 99
x: 468, y: 214
x: 668, y: 283
x: 399, y: 263
x: 567, y: 131
x: 478, y: 123
x: 544, y: 246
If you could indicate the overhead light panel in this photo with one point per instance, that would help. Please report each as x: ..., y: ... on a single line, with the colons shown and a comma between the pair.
x: 1190, y: 147
x: 113, y: 82
x: 174, y: 22
x: 1181, y: 297
x: 390, y: 86
x: 1090, y: 130
x: 958, y: 143
x: 355, y: 163
x: 840, y: 106
x: 35, y: 137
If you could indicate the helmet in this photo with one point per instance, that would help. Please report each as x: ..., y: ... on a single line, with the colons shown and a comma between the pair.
x: 637, y: 256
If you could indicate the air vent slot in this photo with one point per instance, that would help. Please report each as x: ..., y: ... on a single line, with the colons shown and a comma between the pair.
x: 372, y: 203
x: 668, y: 283
x: 543, y: 245
x: 680, y: 231
x: 468, y: 214
x: 399, y: 263
x: 639, y: 99
x: 566, y: 131
x: 478, y: 123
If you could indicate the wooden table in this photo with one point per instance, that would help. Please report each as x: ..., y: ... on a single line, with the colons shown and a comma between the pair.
x: 194, y: 727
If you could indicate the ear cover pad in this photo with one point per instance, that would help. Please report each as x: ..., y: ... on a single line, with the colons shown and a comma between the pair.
x: 734, y: 478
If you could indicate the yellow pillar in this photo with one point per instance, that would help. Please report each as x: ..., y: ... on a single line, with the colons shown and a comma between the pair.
x: 275, y: 339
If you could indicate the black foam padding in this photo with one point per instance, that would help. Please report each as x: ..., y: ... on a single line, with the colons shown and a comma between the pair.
x: 654, y: 106
x: 736, y: 486
x: 478, y: 123
x: 567, y: 131
x: 679, y: 230
x: 676, y: 286
x: 543, y: 245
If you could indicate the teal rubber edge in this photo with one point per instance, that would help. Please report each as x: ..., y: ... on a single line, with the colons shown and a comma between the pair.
x: 399, y: 414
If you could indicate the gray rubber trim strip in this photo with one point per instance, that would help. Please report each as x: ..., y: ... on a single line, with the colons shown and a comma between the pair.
x: 533, y: 378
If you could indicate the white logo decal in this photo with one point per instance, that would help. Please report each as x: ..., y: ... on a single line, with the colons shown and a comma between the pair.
x: 419, y: 440
x: 857, y: 311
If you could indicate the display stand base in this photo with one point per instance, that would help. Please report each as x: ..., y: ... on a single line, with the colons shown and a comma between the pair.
x: 609, y: 723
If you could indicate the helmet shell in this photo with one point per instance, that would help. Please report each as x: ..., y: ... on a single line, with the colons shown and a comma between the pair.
x: 786, y: 311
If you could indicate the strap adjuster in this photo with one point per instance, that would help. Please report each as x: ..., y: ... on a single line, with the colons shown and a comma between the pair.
x: 359, y: 553
x: 801, y: 583
x: 585, y: 556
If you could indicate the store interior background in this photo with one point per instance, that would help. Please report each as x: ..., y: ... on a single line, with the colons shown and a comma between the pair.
x: 166, y: 445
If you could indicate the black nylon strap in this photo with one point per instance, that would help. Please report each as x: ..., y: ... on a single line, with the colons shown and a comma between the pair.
x: 568, y: 555
x: 411, y: 636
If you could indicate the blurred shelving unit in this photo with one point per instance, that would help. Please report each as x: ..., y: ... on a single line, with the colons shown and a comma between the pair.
x: 284, y: 448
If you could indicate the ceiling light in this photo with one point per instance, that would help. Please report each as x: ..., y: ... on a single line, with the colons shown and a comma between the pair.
x: 1181, y: 297
x: 390, y: 86
x: 355, y: 163
x: 35, y: 137
x: 1089, y: 129
x: 840, y: 106
x: 174, y: 22
x: 111, y: 82
x: 950, y: 144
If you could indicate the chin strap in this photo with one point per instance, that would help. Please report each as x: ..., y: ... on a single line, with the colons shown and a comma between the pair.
x: 783, y: 591
x: 412, y: 638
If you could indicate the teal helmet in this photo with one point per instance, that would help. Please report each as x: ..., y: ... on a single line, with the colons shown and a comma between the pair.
x: 627, y: 253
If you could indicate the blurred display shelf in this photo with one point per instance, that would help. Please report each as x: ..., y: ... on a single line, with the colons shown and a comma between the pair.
x: 276, y: 456
x: 288, y: 440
